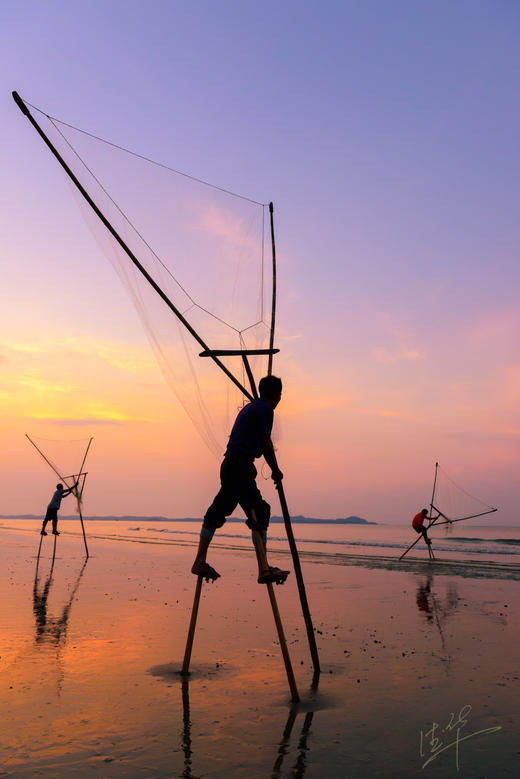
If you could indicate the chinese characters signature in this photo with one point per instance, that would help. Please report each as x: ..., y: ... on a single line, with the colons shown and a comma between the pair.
x: 439, y: 739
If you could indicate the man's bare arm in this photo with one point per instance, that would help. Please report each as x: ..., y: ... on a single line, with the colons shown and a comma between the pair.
x: 68, y: 491
x: 270, y: 458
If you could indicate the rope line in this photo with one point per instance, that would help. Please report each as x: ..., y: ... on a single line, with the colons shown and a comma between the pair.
x: 146, y: 159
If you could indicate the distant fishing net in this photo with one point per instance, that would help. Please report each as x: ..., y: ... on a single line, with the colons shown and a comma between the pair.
x: 454, y: 501
x: 67, y: 459
x: 203, y: 246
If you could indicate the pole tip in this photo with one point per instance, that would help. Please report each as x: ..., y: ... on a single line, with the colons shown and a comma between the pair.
x: 19, y: 102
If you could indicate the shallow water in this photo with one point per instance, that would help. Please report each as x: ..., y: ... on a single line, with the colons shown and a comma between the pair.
x: 463, y: 541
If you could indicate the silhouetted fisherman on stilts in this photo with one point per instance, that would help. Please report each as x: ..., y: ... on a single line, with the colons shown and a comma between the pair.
x: 53, y: 507
x: 250, y: 438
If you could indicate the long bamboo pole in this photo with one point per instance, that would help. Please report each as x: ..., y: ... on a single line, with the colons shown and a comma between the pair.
x: 83, y: 528
x: 79, y: 495
x: 273, y: 302
x: 434, y: 486
x: 281, y: 493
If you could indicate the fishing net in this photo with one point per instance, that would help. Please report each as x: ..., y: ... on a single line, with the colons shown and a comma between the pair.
x: 455, y: 502
x: 67, y: 459
x: 204, y: 249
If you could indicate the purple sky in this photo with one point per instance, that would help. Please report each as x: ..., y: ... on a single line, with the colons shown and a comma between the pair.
x: 387, y: 136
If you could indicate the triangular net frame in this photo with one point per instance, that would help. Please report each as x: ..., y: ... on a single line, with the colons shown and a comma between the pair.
x: 62, y: 455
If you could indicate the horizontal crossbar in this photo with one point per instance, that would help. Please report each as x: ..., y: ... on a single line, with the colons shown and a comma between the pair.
x: 231, y: 352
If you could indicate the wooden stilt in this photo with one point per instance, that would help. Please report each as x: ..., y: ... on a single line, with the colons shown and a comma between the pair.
x: 191, y: 631
x: 260, y: 549
x: 39, y: 548
x: 431, y: 524
x: 54, y: 550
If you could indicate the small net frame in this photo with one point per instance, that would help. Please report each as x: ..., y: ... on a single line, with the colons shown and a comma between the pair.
x: 453, y: 501
x: 204, y: 247
x: 66, y: 458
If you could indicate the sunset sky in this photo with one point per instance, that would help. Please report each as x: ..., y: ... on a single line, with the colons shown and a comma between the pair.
x: 387, y: 136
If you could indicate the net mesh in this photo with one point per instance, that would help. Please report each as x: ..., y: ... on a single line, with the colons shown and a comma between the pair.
x: 454, y: 501
x: 203, y: 246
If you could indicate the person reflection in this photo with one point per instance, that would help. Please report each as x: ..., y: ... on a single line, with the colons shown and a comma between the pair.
x: 423, y: 598
x: 435, y: 609
x: 51, y: 629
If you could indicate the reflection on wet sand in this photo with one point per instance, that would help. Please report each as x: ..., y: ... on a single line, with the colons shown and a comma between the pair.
x: 437, y: 610
x: 186, y: 729
x: 300, y: 765
x: 298, y: 770
x: 52, y: 630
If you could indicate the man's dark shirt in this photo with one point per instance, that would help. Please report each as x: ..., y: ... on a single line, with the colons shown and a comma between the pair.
x: 253, y: 423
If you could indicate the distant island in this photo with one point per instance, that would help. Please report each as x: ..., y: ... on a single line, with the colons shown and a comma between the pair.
x: 297, y: 520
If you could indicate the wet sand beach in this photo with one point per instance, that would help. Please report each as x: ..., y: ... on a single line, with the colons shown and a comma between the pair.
x: 420, y: 672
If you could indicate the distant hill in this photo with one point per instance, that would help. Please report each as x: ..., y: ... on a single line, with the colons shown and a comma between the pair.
x: 132, y: 518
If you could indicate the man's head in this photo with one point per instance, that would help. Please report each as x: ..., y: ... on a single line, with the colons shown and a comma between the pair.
x: 270, y: 389
x: 59, y: 486
x: 424, y: 512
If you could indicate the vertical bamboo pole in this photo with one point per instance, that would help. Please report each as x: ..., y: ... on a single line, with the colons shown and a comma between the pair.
x: 79, y: 496
x: 191, y: 631
x: 273, y: 304
x: 434, y: 487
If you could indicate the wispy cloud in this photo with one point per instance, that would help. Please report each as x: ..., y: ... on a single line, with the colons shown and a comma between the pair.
x: 228, y: 227
x: 125, y: 357
x: 383, y: 355
x: 85, y: 421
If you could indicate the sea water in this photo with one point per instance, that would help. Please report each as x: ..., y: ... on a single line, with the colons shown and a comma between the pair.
x: 463, y: 541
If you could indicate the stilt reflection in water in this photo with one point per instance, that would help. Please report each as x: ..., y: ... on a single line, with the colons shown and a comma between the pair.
x: 52, y: 630
x: 298, y: 770
x: 40, y: 550
x: 300, y: 764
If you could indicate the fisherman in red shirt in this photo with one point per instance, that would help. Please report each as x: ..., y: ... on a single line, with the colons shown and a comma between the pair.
x: 418, y: 524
